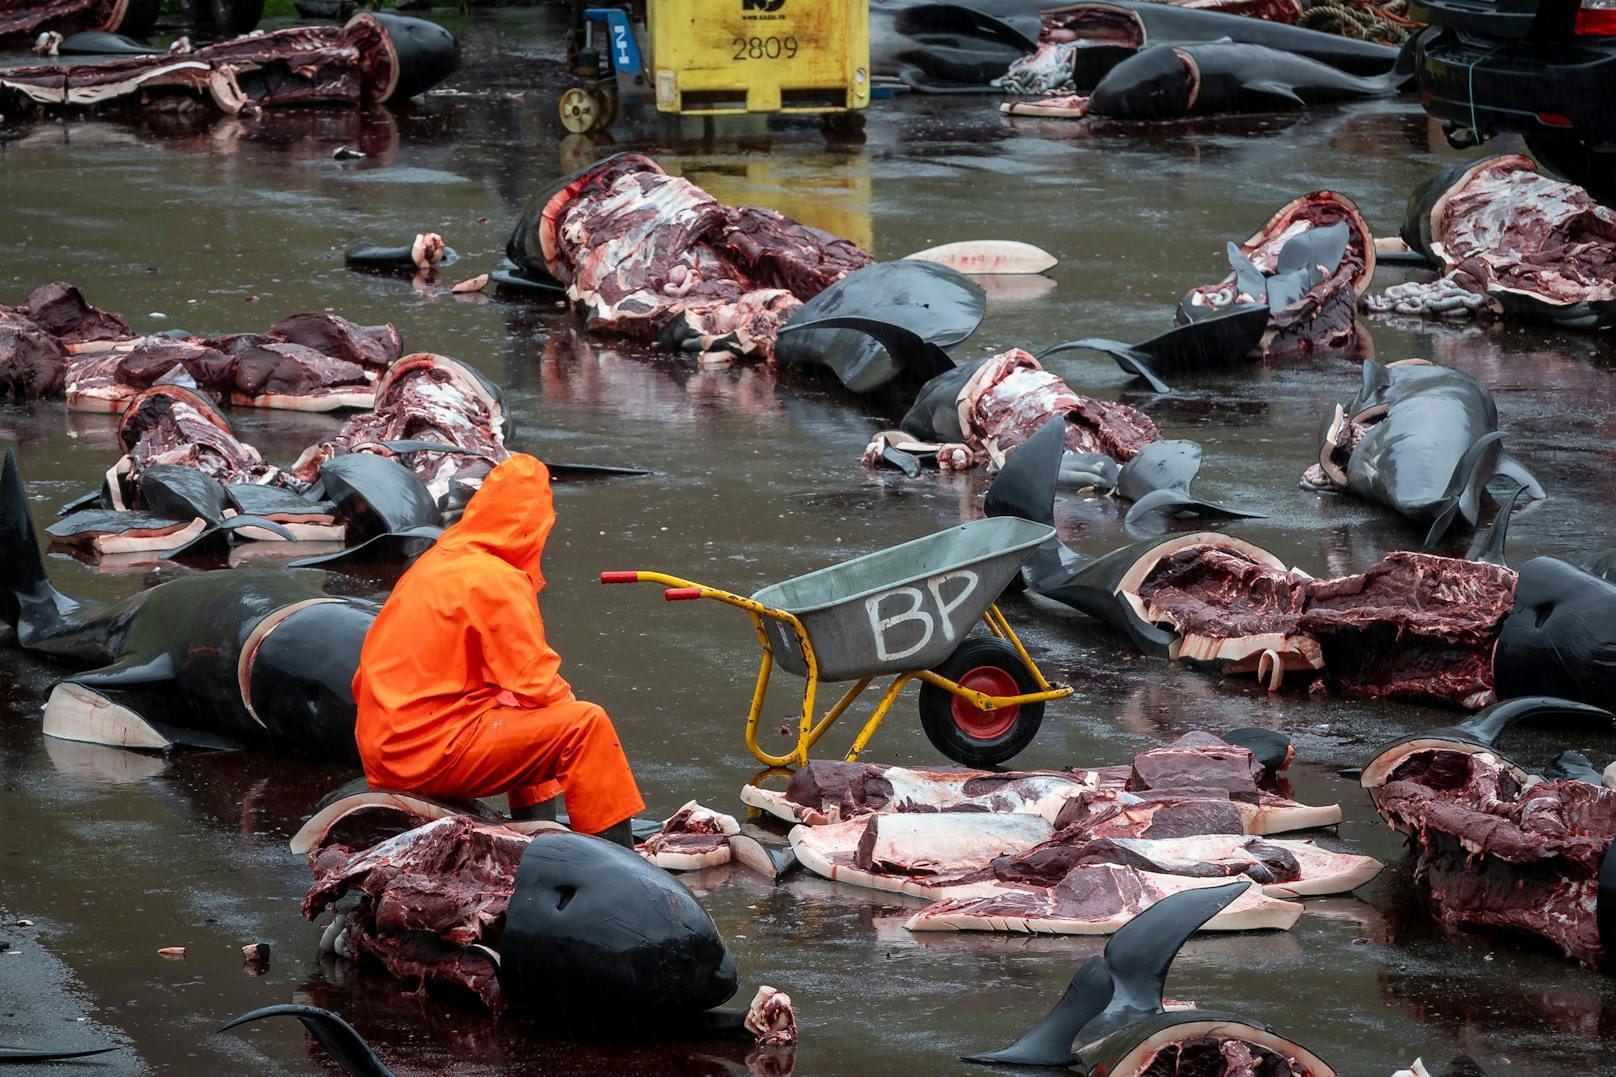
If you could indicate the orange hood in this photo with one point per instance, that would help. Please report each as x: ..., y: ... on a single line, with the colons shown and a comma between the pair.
x: 509, y: 517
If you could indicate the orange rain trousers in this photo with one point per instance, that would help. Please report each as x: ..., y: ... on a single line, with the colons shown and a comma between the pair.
x: 458, y: 693
x: 532, y: 755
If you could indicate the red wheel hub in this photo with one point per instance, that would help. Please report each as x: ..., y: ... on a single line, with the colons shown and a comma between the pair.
x: 980, y: 724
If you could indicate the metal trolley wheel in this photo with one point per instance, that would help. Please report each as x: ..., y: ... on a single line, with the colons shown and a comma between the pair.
x: 975, y: 737
x: 585, y: 109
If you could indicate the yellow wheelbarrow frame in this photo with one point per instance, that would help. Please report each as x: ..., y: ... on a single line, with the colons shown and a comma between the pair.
x: 810, y: 731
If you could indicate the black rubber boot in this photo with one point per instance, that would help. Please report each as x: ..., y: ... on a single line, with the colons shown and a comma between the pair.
x: 622, y: 833
x: 544, y: 810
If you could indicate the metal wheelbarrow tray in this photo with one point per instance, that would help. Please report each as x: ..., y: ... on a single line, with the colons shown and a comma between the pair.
x: 905, y: 611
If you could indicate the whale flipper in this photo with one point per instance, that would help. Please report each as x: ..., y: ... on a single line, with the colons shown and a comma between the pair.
x: 1128, y: 357
x: 1271, y: 88
x: 1170, y: 502
x: 389, y: 548
x: 18, y: 1054
x: 1512, y: 469
x: 28, y: 602
x: 1048, y: 1044
x: 1573, y: 766
x: 345, y: 1045
x: 214, y: 543
x: 1491, y: 547
x: 1465, y: 486
x: 134, y: 671
x: 1488, y: 724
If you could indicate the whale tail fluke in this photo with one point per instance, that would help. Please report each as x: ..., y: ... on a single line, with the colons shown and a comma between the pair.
x: 1123, y: 984
x: 26, y: 595
x: 345, y: 1045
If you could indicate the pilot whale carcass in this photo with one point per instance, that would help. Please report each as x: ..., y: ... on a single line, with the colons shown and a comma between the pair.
x: 574, y: 927
x: 376, y: 58
x: 213, y: 660
x: 653, y: 256
x: 1421, y: 439
x: 1510, y: 242
x: 21, y: 24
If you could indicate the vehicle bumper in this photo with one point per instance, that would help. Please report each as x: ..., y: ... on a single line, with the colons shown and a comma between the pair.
x: 1495, y: 86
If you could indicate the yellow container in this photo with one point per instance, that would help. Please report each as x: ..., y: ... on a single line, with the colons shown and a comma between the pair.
x: 731, y: 56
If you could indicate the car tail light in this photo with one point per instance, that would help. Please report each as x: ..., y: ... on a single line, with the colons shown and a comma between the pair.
x: 1597, y: 17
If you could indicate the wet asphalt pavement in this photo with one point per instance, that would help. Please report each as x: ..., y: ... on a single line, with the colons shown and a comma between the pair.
x: 217, y: 225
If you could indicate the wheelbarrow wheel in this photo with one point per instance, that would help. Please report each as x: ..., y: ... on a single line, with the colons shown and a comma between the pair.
x: 979, y: 738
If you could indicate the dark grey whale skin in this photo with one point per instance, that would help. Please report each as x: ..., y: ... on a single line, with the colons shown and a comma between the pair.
x: 1157, y: 84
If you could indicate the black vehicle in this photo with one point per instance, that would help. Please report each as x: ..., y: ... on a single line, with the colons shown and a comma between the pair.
x: 1545, y: 69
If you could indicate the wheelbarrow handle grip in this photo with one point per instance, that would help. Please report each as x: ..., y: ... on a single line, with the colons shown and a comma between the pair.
x: 679, y: 594
x: 619, y: 577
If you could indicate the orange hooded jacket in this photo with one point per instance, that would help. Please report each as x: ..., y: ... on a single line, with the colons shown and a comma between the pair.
x: 461, y: 634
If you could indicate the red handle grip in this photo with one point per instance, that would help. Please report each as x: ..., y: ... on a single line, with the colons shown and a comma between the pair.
x: 678, y: 594
x: 619, y: 577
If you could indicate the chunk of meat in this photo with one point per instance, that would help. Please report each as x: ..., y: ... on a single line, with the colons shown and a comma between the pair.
x: 1510, y: 238
x: 651, y: 255
x: 107, y: 381
x: 374, y: 347
x: 294, y: 377
x: 22, y: 22
x: 33, y: 363
x: 424, y: 896
x: 61, y: 310
x: 428, y: 398
x: 1413, y: 626
x: 1011, y: 396
x: 1494, y: 852
x: 691, y: 838
x: 296, y: 66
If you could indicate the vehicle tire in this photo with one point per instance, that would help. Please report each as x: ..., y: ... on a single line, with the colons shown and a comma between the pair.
x: 1575, y: 161
x: 970, y: 736
x: 232, y: 18
x: 606, y: 99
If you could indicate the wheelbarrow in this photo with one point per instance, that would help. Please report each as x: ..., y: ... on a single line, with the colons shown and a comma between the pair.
x: 905, y: 611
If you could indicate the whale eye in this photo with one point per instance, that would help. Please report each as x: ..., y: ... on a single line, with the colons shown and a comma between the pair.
x: 564, y: 895
x: 1543, y: 611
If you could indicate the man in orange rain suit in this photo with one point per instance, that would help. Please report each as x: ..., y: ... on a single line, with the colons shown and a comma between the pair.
x: 458, y: 693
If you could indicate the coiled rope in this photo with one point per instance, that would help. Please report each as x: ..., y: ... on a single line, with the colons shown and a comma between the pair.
x: 1386, y: 23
